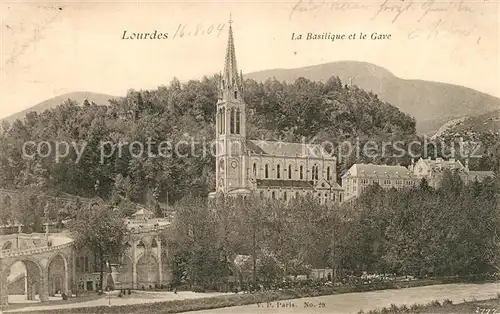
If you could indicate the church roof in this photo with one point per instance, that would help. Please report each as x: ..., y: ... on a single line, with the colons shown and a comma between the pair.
x: 287, y: 149
x: 379, y: 171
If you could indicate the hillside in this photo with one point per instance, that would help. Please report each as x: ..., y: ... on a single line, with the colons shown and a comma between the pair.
x: 181, y: 112
x: 484, y: 123
x: 79, y: 97
x: 431, y: 103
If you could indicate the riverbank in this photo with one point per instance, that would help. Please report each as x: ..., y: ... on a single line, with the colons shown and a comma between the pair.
x: 481, y: 307
x: 334, y: 299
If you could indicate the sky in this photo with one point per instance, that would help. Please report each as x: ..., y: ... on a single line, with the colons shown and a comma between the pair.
x: 48, y: 49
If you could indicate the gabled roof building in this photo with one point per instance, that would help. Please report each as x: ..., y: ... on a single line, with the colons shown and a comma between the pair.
x: 360, y: 176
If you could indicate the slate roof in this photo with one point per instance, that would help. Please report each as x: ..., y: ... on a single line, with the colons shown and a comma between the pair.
x: 287, y: 149
x: 379, y: 171
x: 440, y: 164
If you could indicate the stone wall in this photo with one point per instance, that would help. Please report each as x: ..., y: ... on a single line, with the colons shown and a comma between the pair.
x: 18, y: 286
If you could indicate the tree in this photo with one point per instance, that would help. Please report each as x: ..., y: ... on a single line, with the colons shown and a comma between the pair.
x: 100, y: 230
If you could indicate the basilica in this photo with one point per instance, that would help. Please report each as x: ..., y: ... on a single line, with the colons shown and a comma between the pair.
x: 267, y: 169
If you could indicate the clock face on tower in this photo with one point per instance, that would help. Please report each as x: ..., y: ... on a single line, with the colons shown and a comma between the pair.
x: 234, y: 164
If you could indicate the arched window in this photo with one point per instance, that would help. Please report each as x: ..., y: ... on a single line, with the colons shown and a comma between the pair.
x: 266, y: 171
x: 261, y: 195
x: 297, y: 194
x: 315, y: 172
x: 235, y: 94
x: 238, y: 121
x: 273, y: 196
x: 254, y: 169
x: 301, y: 172
x: 289, y: 171
x: 278, y: 171
x: 328, y: 173
x: 231, y: 121
x: 284, y: 196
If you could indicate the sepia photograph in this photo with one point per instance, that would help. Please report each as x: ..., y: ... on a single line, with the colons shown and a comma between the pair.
x: 222, y: 156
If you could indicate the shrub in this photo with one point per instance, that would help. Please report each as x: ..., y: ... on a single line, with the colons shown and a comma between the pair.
x: 394, y: 308
x: 415, y: 307
x: 447, y: 302
x: 434, y: 303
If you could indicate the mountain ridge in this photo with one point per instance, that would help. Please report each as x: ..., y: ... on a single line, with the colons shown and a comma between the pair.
x: 78, y: 96
x: 431, y: 103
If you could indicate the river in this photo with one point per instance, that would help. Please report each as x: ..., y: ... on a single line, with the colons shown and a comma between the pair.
x: 353, y: 302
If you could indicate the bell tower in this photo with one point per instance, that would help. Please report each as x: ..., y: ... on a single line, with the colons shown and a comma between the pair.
x: 230, y: 125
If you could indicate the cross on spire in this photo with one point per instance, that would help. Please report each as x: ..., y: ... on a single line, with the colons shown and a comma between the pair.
x: 231, y: 86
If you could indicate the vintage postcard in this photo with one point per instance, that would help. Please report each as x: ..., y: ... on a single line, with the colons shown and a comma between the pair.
x: 300, y: 156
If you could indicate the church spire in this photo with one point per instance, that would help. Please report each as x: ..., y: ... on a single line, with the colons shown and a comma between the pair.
x: 231, y: 81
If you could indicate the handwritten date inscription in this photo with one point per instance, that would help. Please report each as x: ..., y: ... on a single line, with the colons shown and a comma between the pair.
x: 185, y: 30
x: 181, y: 31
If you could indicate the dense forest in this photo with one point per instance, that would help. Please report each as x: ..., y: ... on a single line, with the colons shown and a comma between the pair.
x: 307, y: 110
x: 275, y: 111
x: 420, y: 231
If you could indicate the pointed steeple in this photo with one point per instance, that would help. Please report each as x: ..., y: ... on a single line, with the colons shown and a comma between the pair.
x: 231, y: 84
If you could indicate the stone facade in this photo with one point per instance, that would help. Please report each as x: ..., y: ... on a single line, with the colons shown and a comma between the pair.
x: 143, y: 265
x: 53, y: 266
x: 278, y: 170
x: 360, y: 176
x: 432, y: 170
x: 47, y: 269
x: 357, y: 179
